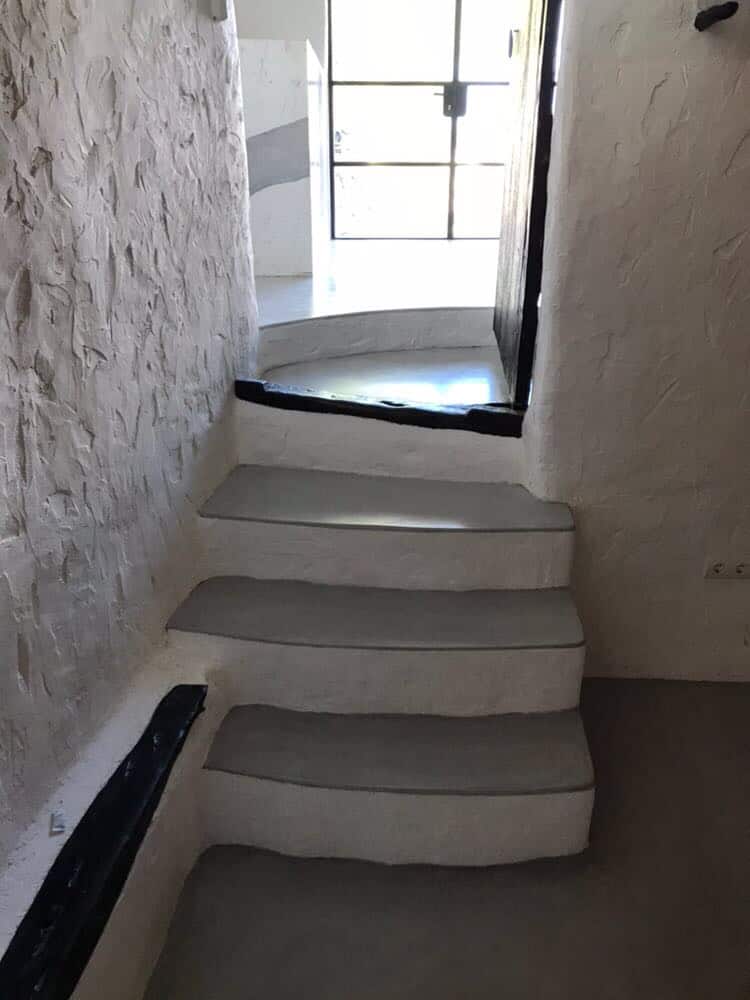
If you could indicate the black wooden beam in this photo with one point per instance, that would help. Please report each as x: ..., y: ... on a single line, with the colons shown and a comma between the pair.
x: 55, y: 940
x: 499, y: 419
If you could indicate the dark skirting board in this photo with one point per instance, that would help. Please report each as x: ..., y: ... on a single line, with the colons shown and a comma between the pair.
x: 499, y: 419
x: 57, y: 936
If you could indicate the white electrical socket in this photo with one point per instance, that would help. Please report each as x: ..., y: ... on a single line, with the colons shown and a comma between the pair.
x: 56, y: 824
x: 729, y: 570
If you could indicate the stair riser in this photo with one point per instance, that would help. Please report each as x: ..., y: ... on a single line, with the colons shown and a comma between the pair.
x: 419, y: 560
x: 370, y: 332
x: 269, y: 436
x: 392, y: 828
x: 435, y: 682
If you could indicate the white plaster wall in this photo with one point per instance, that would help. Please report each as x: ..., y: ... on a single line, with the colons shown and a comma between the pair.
x: 293, y: 20
x: 274, y: 82
x: 641, y: 412
x: 126, y: 309
x: 282, y: 229
x: 280, y: 79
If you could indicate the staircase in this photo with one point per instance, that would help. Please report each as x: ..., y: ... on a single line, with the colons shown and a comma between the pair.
x: 401, y: 653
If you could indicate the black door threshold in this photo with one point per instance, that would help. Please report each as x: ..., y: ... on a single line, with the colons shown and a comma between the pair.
x: 500, y: 419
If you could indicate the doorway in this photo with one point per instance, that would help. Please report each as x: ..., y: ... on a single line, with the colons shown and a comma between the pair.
x: 440, y: 143
x: 421, y: 117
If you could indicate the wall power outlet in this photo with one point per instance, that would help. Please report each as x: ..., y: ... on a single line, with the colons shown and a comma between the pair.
x: 729, y: 570
x: 57, y: 823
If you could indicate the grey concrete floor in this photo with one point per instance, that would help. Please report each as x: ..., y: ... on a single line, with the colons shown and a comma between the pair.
x: 658, y: 908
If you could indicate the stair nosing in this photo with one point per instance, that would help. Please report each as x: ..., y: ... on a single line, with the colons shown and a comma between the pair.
x: 383, y: 790
x: 386, y: 648
x: 349, y: 526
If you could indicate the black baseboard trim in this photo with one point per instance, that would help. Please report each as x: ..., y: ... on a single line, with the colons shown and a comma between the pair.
x: 56, y: 938
x: 499, y: 419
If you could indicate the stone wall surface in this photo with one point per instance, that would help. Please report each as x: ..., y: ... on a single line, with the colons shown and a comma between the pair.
x: 640, y: 415
x: 126, y: 310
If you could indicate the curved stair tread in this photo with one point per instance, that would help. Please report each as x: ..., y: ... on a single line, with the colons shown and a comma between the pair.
x: 432, y: 375
x: 344, y: 500
x: 418, y: 754
x: 290, y: 612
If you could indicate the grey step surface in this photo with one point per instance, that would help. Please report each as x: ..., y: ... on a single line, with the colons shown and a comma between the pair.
x: 342, y: 500
x: 289, y: 612
x: 496, y: 755
x: 454, y: 375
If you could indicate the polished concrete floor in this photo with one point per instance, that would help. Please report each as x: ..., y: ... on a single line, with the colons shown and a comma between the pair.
x: 360, y: 275
x: 464, y: 376
x: 658, y: 908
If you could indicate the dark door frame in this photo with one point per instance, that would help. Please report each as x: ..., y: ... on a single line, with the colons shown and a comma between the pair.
x: 519, y: 369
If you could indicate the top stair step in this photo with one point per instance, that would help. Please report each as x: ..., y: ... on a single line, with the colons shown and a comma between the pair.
x: 342, y: 500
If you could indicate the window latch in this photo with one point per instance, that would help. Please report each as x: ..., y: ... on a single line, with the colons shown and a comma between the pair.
x: 454, y: 100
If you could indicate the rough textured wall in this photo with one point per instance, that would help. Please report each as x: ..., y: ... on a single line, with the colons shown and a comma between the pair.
x: 641, y: 409
x: 126, y: 310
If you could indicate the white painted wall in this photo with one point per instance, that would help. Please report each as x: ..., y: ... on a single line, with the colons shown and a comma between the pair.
x: 274, y: 83
x: 126, y: 310
x: 284, y: 100
x: 275, y: 94
x: 641, y: 410
x: 292, y: 20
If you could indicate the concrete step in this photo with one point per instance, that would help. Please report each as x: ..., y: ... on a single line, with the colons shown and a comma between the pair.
x: 414, y: 331
x: 289, y: 438
x: 343, y: 500
x: 432, y: 376
x: 400, y: 789
x: 335, y: 527
x: 368, y: 649
x: 306, y: 614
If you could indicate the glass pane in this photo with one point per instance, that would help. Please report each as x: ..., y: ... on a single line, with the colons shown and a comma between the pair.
x: 478, y: 201
x: 484, y: 133
x: 390, y: 123
x: 392, y: 39
x: 391, y: 201
x: 485, y: 25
